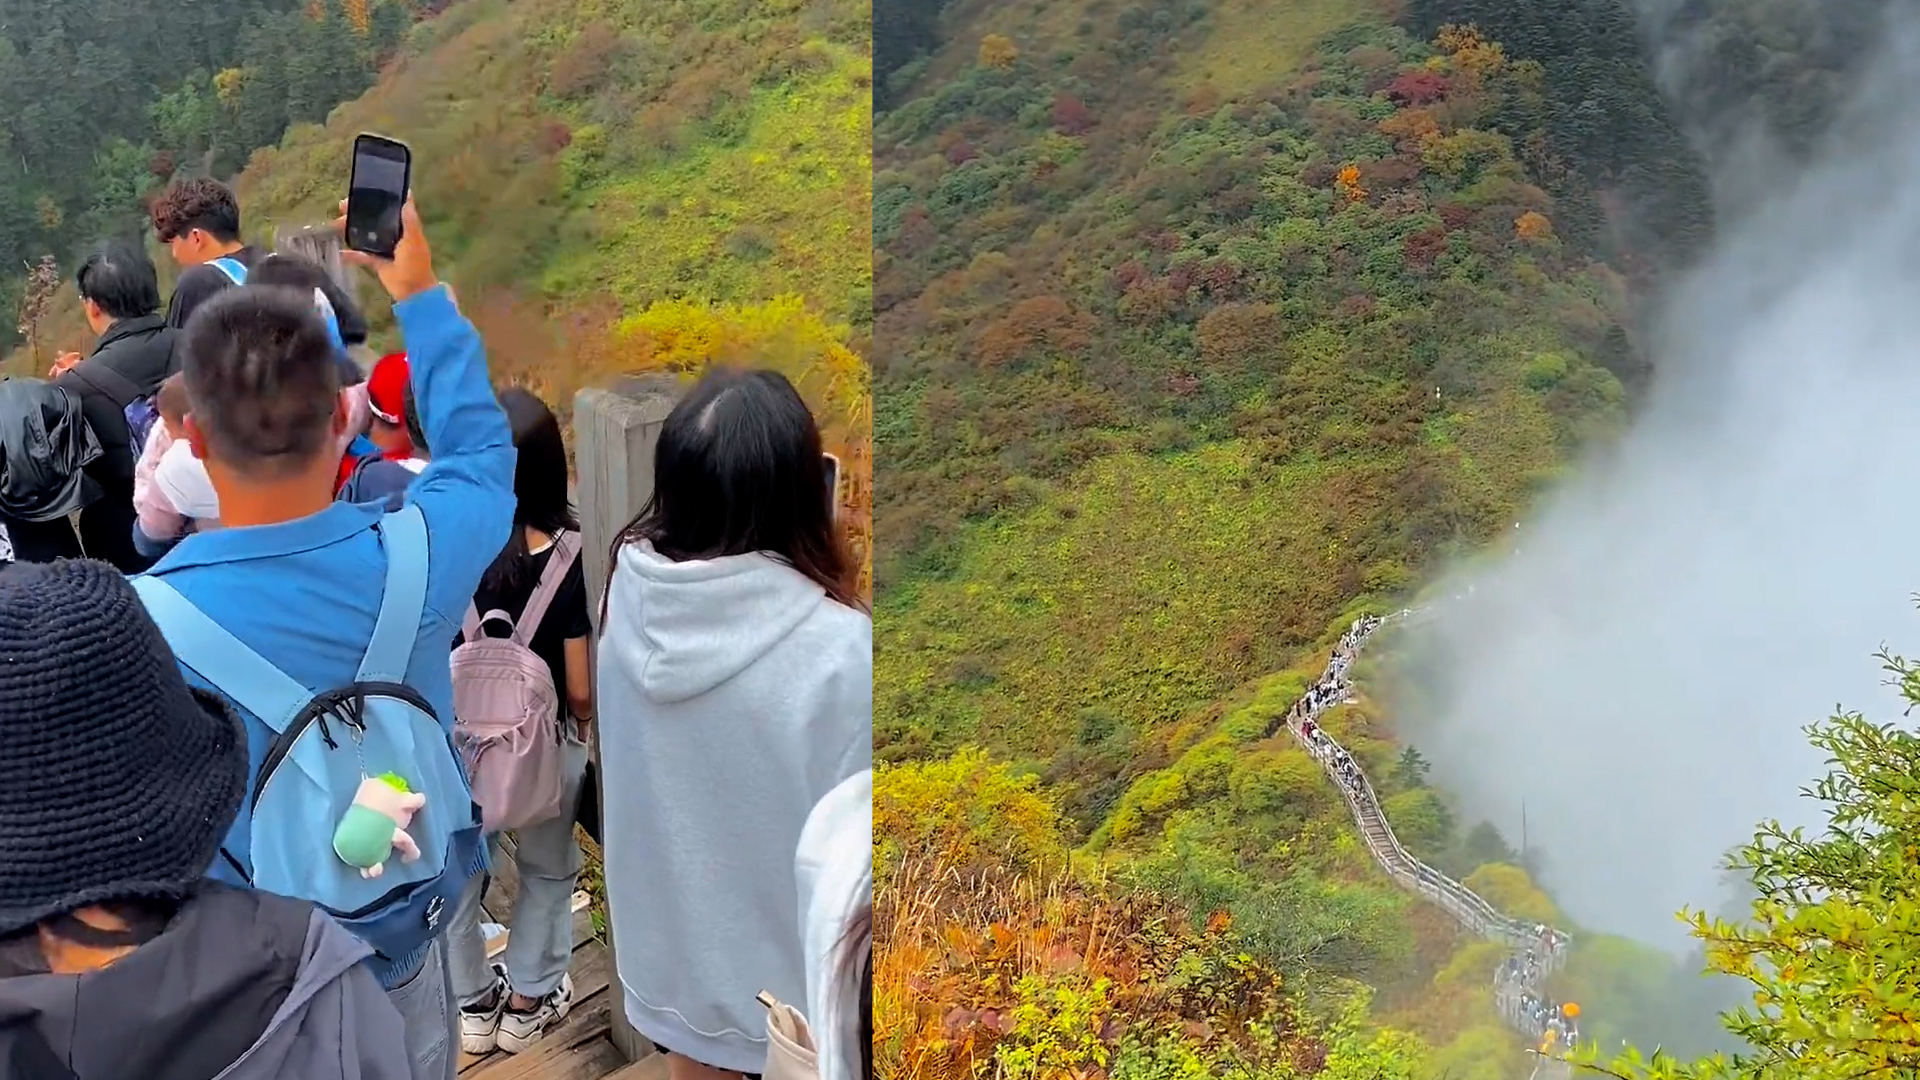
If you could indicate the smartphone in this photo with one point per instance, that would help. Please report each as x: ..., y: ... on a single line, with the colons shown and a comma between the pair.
x: 382, y: 172
x: 833, y: 486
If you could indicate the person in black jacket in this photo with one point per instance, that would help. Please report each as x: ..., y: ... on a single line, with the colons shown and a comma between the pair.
x: 121, y: 292
x: 199, y: 221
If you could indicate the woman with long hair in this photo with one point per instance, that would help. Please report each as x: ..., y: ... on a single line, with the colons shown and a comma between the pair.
x: 510, y: 1005
x: 736, y: 665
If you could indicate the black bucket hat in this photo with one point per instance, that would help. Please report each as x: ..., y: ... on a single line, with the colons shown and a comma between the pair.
x: 117, y: 781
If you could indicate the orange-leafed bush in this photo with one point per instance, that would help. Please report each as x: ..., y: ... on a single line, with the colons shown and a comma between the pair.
x: 1533, y: 225
x: 1348, y: 181
x: 996, y: 959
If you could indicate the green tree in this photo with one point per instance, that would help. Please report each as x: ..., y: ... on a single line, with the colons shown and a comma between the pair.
x: 1411, y: 770
x: 1831, y: 945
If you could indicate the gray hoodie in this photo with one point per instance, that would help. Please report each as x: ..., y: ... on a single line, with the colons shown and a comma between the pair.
x: 733, y: 696
x: 240, y: 986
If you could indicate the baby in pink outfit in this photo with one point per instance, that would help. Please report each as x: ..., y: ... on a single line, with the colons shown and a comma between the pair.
x: 158, y: 517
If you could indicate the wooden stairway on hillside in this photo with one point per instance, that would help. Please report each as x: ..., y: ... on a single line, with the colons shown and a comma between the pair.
x: 579, y: 1047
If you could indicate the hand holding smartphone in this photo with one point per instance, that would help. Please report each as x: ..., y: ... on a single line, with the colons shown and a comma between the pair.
x: 376, y: 194
x: 379, y: 225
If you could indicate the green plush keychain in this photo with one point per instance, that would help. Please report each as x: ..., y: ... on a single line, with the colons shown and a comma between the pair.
x: 376, y: 824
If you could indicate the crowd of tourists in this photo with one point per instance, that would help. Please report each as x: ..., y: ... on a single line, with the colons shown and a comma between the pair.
x: 292, y: 637
x: 1520, y: 979
x: 1519, y: 994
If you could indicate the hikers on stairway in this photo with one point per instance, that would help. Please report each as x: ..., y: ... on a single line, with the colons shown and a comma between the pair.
x: 738, y: 660
x: 330, y: 623
x: 119, y: 960
x: 524, y: 696
x: 120, y: 295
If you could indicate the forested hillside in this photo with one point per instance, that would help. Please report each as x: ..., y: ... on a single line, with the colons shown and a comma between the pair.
x: 105, y: 100
x: 611, y: 185
x: 1202, y: 326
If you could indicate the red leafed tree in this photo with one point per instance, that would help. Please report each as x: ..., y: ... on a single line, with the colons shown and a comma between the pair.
x: 1071, y: 115
x: 1418, y: 88
x: 1425, y: 246
x: 1129, y: 274
x: 1040, y: 324
x: 960, y: 151
x: 1218, y: 277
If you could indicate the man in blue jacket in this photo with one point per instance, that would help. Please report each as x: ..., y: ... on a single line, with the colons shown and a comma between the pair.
x: 299, y: 577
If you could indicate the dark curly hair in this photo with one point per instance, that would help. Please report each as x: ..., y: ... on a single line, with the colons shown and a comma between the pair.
x: 198, y: 203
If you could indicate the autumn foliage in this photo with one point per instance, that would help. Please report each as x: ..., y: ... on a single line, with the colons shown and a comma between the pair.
x: 1533, y: 225
x: 1033, y: 328
x: 1348, y: 182
x: 998, y: 51
x: 995, y: 959
x: 1071, y: 115
x: 1418, y: 88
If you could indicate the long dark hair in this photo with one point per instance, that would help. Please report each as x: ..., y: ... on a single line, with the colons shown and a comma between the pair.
x: 539, y: 486
x: 860, y: 937
x: 738, y: 469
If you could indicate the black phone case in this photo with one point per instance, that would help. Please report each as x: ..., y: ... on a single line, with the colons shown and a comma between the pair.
x: 406, y: 186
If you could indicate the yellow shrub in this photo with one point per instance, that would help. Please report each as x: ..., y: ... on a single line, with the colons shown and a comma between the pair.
x: 1512, y: 891
x: 962, y: 812
x: 998, y: 51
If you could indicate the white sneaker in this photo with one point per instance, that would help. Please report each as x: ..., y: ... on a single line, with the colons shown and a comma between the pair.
x: 520, y: 1030
x: 480, y: 1024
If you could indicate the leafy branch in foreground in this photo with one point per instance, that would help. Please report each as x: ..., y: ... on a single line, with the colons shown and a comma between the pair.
x: 1832, y: 944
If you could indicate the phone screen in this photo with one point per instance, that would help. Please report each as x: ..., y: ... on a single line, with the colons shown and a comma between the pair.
x: 377, y: 191
x: 833, y: 486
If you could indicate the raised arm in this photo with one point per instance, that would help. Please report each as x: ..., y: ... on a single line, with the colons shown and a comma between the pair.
x: 466, y: 494
x: 466, y: 491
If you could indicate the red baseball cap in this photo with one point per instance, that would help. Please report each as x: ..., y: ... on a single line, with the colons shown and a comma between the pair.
x: 387, y: 388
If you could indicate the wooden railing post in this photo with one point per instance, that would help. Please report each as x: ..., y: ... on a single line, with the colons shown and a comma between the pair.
x: 614, y: 435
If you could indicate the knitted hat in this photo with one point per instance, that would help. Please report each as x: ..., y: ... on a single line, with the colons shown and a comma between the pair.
x: 117, y: 782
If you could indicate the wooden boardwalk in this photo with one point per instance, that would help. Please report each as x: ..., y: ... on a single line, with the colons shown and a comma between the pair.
x: 579, y: 1047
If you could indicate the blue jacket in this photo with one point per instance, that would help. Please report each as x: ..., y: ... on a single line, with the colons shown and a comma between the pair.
x: 304, y: 594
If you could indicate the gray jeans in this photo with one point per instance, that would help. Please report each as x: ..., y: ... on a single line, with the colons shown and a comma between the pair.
x: 425, y: 1003
x: 540, y: 934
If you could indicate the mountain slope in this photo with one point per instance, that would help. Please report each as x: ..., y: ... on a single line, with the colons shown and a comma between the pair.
x: 1203, y: 326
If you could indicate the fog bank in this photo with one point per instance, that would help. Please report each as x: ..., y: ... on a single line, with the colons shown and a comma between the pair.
x: 1640, y: 671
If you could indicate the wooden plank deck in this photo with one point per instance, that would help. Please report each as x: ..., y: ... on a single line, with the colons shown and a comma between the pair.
x: 579, y: 1047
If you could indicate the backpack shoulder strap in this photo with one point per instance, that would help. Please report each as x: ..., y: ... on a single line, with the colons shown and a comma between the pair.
x: 117, y: 387
x: 405, y: 535
x: 220, y: 658
x: 566, y: 548
x: 235, y: 270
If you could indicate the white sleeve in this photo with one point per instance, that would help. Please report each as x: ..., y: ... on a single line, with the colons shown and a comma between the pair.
x: 182, y: 478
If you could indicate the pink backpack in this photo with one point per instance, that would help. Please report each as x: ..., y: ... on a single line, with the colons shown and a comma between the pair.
x: 506, y: 708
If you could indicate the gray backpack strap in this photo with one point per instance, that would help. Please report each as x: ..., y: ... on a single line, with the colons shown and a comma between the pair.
x: 566, y: 548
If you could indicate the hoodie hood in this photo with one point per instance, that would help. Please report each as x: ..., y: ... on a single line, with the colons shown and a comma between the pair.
x: 834, y: 869
x: 703, y: 621
x: 215, y: 993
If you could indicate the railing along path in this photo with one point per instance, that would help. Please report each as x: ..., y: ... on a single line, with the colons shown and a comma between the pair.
x: 1520, y: 982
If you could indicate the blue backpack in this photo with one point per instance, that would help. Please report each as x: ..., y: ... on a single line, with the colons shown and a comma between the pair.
x: 325, y: 743
x: 141, y: 412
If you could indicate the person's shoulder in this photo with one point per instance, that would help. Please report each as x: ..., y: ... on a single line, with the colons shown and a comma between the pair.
x: 844, y: 634
x: 201, y: 277
x: 279, y: 923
